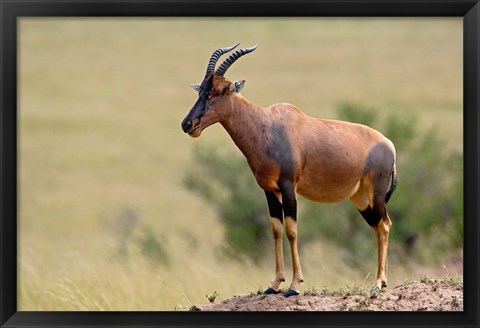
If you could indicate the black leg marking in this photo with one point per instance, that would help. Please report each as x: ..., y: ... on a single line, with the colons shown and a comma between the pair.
x: 371, y: 216
x: 274, y: 206
x: 289, y: 199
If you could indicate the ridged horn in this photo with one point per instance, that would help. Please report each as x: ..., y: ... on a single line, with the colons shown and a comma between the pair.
x: 232, y: 58
x: 216, y: 54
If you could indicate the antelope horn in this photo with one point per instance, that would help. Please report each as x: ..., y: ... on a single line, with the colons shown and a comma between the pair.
x: 217, y: 53
x: 232, y: 58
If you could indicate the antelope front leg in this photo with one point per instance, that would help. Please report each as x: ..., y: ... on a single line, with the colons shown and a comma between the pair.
x: 291, y: 227
x: 290, y: 210
x: 276, y: 222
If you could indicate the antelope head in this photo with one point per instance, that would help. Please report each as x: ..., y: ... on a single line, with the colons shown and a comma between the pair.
x: 214, y: 93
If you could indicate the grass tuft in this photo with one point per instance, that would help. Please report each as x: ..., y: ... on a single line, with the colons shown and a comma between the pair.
x: 212, y: 297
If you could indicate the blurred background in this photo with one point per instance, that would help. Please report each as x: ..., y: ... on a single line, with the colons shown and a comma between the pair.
x: 120, y: 210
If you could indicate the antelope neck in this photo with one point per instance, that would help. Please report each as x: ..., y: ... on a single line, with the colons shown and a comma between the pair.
x: 246, y: 124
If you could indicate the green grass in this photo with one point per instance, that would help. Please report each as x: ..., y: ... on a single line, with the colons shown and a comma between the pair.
x: 100, y: 105
x: 212, y: 297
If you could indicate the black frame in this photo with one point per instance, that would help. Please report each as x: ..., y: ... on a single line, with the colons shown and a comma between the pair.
x: 11, y: 10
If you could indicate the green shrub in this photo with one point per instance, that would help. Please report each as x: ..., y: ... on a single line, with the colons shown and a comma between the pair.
x: 152, y: 246
x: 227, y: 183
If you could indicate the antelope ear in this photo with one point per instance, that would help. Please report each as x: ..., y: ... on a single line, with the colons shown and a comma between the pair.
x: 237, y: 86
x: 196, y: 86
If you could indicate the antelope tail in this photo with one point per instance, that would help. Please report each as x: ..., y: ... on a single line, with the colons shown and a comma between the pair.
x: 393, y: 184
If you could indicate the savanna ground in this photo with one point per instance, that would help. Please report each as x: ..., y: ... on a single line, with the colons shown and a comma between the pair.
x: 425, y: 295
x: 105, y: 220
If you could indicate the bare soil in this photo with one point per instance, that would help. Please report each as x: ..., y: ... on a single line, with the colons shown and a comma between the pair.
x: 424, y: 295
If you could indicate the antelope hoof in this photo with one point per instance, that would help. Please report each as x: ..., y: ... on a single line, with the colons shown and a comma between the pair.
x: 374, y: 291
x: 290, y: 292
x: 270, y: 290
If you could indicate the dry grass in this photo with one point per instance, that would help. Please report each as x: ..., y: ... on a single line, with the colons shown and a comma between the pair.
x: 101, y: 102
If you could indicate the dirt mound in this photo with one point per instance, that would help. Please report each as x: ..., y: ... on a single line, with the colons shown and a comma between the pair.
x: 424, y: 295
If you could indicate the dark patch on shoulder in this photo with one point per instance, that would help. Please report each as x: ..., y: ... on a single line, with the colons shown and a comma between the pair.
x: 280, y: 151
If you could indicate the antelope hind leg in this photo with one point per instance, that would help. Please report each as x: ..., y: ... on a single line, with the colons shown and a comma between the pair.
x: 381, y: 232
x: 375, y: 214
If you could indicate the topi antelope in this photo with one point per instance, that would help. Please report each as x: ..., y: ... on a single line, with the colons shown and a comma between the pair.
x: 290, y: 152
